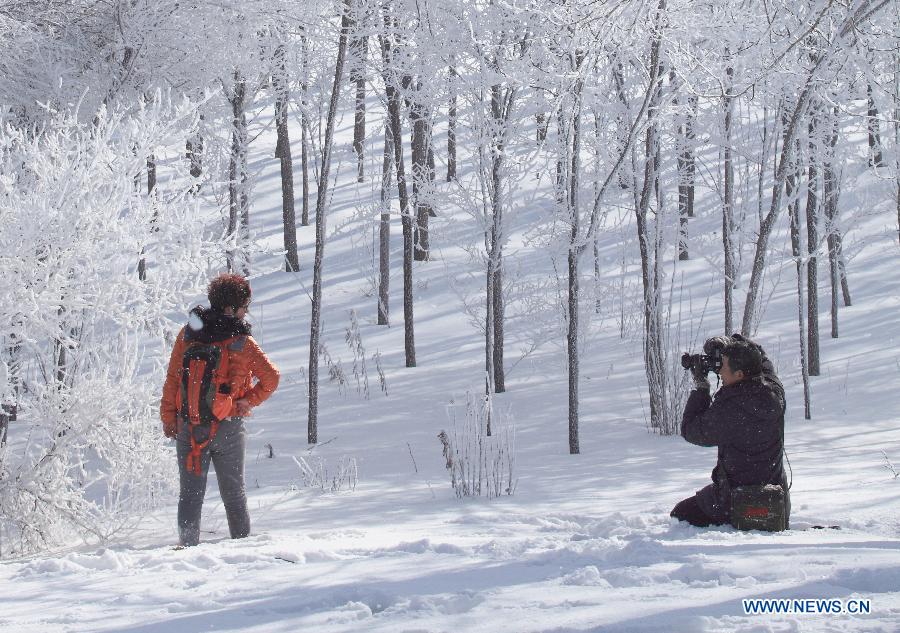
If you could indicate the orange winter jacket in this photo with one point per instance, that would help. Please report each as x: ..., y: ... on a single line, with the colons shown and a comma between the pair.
x: 246, y: 362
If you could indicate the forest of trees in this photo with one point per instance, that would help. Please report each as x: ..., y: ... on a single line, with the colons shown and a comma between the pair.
x: 125, y: 181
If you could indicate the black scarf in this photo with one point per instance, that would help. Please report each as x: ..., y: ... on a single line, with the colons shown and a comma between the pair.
x: 216, y: 326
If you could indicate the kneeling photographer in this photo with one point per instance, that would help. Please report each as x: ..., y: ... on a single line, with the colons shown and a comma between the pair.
x: 746, y: 422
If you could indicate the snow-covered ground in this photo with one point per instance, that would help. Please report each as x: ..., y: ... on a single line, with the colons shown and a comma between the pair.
x: 584, y: 544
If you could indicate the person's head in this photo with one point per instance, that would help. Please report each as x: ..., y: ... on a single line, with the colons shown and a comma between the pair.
x: 229, y: 293
x: 740, y: 360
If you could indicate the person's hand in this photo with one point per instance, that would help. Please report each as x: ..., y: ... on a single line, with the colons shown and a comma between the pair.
x: 700, y: 379
x: 170, y: 430
x: 243, y: 407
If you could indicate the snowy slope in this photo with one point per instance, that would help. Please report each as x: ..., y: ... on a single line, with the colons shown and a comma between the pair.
x: 585, y: 544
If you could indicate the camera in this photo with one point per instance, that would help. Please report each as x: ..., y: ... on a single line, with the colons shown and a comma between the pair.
x: 703, y: 363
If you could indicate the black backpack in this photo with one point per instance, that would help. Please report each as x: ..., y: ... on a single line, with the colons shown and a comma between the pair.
x: 204, y: 395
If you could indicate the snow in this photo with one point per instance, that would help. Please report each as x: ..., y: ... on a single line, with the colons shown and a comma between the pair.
x: 584, y: 544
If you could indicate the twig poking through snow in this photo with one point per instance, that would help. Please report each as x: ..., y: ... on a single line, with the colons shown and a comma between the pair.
x: 412, y: 457
x: 887, y: 464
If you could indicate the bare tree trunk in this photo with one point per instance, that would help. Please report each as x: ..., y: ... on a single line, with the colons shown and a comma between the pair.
x: 151, y: 186
x: 359, y: 47
x: 842, y: 266
x: 836, y: 231
x: 421, y: 140
x: 304, y: 125
x: 574, y: 252
x: 653, y: 343
x: 835, y: 240
x: 876, y: 157
x: 321, y: 194
x: 625, y: 177
x: 8, y: 409
x: 560, y: 160
x: 238, y: 213
x: 572, y: 350
x: 595, y: 246
x: 691, y: 167
x: 812, y: 246
x: 542, y: 124
x: 830, y: 201
x: 451, y: 125
x: 501, y: 104
x: 5, y: 419
x: 384, y: 232
x: 897, y: 132
x: 194, y: 154
x: 489, y: 323
x: 686, y: 170
x: 728, y: 206
x: 283, y: 152
x: 791, y: 183
x: 499, y: 309
x: 406, y: 217
x: 769, y: 137
x: 684, y: 147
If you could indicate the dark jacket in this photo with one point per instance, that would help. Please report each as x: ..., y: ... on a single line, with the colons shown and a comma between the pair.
x: 746, y: 422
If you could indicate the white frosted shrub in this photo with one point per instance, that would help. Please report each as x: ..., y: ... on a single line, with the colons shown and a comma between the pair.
x: 81, y: 337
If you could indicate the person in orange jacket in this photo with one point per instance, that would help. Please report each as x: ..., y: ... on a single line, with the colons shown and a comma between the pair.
x: 223, y: 322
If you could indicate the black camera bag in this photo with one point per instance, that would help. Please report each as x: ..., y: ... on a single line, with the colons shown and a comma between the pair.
x: 758, y: 507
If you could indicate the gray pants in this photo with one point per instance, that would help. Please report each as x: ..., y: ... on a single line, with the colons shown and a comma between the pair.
x: 226, y: 451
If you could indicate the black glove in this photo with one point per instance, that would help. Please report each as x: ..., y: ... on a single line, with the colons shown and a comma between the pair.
x: 699, y: 376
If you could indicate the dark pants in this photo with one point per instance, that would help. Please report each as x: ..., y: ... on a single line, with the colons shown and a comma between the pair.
x: 226, y: 451
x: 689, y: 510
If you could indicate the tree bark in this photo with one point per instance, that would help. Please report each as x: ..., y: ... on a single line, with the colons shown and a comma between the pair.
x: 238, y: 213
x: 653, y: 349
x: 897, y: 132
x: 283, y: 153
x: 421, y: 174
x: 151, y: 186
x: 830, y: 201
x: 791, y: 183
x: 501, y: 103
x: 358, y: 49
x: 812, y: 247
x: 876, y: 157
x: 8, y: 409
x: 686, y: 170
x: 763, y: 159
x: 572, y: 350
x: 406, y: 217
x: 194, y: 154
x: 304, y: 125
x: 595, y: 246
x: 384, y: 232
x: 321, y: 194
x: 728, y: 206
x: 451, y: 125
x: 561, y: 193
x: 574, y: 253
x: 541, y: 123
